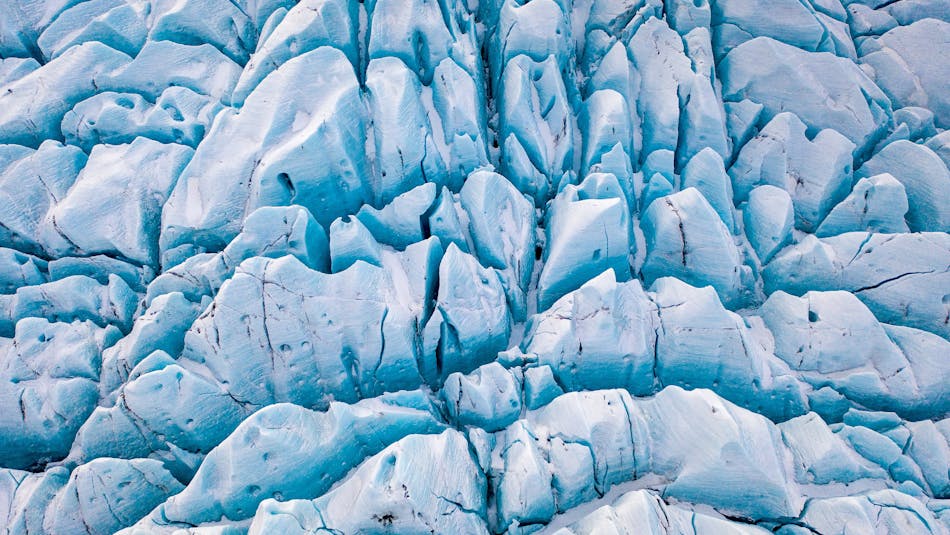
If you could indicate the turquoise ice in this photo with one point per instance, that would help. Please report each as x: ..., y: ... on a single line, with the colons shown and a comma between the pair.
x: 474, y: 266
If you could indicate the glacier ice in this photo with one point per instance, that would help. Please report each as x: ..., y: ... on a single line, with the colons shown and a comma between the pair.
x: 501, y: 224
x: 50, y: 376
x: 901, y: 277
x: 205, y: 209
x: 178, y: 115
x: 769, y: 217
x: 925, y: 179
x: 876, y: 204
x: 494, y: 266
x: 641, y: 511
x: 587, y: 232
x: 414, y: 488
x: 142, y: 175
x: 897, y: 54
x: 762, y: 70
x: 686, y: 238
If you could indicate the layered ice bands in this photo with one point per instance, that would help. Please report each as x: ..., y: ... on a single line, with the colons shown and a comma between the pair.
x: 474, y: 266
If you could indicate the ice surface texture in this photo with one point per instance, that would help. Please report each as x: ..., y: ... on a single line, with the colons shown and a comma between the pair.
x: 474, y: 266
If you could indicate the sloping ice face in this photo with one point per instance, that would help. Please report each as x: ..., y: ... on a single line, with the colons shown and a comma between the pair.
x: 474, y: 266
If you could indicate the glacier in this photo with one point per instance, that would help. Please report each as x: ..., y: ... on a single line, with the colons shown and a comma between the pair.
x: 474, y: 266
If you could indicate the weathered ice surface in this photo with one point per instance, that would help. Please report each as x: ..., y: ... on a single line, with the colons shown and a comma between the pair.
x: 474, y: 266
